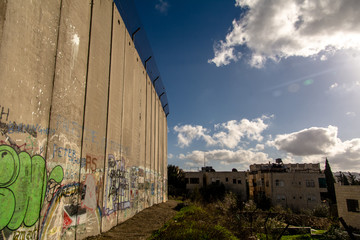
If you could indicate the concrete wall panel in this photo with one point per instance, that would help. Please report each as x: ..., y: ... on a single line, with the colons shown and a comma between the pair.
x: 165, y: 160
x: 95, y: 121
x: 128, y: 127
x: 28, y: 41
x: 148, y: 158
x: 113, y: 189
x: 142, y: 125
x: 135, y: 144
x: 156, y: 152
x: 152, y: 142
x: 59, y: 216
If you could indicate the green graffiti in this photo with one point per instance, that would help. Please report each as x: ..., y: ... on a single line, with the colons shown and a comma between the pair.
x: 23, y: 182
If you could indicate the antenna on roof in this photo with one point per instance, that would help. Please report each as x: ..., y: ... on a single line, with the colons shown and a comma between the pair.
x: 204, y: 159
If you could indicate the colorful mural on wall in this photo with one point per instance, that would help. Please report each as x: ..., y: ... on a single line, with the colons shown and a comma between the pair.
x: 23, y: 185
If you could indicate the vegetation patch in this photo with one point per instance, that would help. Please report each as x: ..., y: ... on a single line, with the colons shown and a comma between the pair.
x: 192, y: 222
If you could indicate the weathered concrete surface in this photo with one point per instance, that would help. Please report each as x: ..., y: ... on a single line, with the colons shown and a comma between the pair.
x: 143, y: 224
x: 148, y: 151
x: 28, y: 42
x: 95, y: 119
x: 78, y: 109
x: 58, y: 218
x: 113, y: 146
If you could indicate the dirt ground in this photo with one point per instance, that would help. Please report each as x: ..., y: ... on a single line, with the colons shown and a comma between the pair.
x: 142, y: 225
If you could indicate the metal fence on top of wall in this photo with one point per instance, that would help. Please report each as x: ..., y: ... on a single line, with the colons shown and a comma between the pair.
x: 83, y: 143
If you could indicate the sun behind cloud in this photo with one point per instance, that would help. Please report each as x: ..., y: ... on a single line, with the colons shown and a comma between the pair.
x: 281, y: 29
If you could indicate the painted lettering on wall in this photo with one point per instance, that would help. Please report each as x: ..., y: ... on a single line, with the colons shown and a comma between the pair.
x: 117, y: 186
x: 4, y: 113
x: 23, y: 183
x: 90, y: 163
x: 65, y: 153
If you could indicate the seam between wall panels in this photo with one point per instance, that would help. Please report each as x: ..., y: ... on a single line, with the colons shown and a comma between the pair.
x: 108, y: 103
x: 122, y: 111
x: 51, y: 97
x: 85, y: 95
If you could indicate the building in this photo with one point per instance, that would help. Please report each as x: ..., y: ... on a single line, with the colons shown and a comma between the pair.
x: 233, y: 181
x: 348, y: 198
x: 296, y: 186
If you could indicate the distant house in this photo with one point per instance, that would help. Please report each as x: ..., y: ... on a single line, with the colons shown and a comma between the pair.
x: 233, y: 181
x: 348, y: 198
x: 296, y: 186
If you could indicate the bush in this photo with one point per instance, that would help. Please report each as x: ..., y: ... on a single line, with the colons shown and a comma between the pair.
x: 321, y: 211
x: 213, y: 192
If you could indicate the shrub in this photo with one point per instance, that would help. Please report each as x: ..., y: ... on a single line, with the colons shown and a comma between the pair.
x: 321, y: 211
x: 213, y: 192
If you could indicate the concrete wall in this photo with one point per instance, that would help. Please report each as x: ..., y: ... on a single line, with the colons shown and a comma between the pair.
x: 83, y: 143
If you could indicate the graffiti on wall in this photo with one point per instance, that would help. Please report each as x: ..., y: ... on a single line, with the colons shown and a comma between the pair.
x: 117, y: 186
x: 4, y: 113
x: 23, y: 185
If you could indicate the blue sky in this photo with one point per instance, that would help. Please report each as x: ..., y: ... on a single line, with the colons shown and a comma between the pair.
x: 251, y: 81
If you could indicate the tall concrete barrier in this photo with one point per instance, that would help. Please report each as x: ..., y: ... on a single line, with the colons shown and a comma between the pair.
x: 83, y: 140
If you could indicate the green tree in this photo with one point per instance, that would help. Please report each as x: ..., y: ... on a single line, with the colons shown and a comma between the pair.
x: 176, y: 181
x: 344, y: 179
x: 330, y: 182
x: 353, y: 180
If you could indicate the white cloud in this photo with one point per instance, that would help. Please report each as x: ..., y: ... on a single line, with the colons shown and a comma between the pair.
x: 311, y: 141
x: 187, y: 133
x: 224, y: 156
x: 285, y: 28
x: 314, y: 143
x: 170, y: 156
x: 344, y: 88
x: 351, y: 114
x: 323, y: 58
x: 228, y: 134
x: 334, y: 86
x: 234, y: 131
x: 260, y: 147
x: 162, y: 6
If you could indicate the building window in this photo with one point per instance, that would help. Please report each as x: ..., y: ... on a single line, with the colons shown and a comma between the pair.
x: 239, y: 181
x: 280, y: 198
x: 352, y: 205
x: 279, y: 183
x: 310, y: 183
x: 186, y: 180
x: 322, y: 183
x: 226, y: 179
x: 311, y: 198
x: 234, y: 181
x: 267, y: 183
x: 194, y: 181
